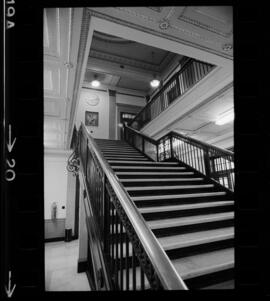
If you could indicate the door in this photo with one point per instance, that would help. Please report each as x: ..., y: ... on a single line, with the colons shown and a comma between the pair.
x: 125, y: 118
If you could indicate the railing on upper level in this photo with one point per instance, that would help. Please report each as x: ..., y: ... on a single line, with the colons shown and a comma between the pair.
x: 207, y: 159
x: 122, y: 242
x: 190, y: 73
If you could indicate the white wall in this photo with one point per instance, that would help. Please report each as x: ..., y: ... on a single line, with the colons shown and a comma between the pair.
x: 55, y: 183
x: 102, y: 130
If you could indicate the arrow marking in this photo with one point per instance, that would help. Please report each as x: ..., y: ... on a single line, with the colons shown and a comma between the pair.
x: 9, y: 290
x: 10, y: 144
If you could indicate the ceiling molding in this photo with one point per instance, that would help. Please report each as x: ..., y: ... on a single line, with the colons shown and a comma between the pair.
x: 158, y: 33
x: 123, y: 60
x: 155, y: 8
x: 201, y: 25
x: 110, y: 39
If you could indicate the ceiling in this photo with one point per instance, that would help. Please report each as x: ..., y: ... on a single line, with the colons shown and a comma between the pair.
x: 206, y: 27
x: 126, y: 64
x: 200, y: 124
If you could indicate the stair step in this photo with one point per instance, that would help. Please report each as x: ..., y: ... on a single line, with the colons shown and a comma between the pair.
x: 189, y: 220
x: 184, y: 207
x: 143, y: 188
x: 222, y: 285
x: 139, y: 162
x: 196, y: 238
x: 162, y: 180
x: 120, y: 151
x: 202, y: 264
x: 153, y: 173
x: 177, y: 196
x: 126, y: 158
x: 149, y: 167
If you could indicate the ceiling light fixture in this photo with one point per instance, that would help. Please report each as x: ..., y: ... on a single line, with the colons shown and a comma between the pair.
x: 225, y: 118
x: 154, y: 82
x: 95, y: 83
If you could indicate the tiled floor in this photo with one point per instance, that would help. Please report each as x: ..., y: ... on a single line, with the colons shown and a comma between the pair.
x: 61, y: 267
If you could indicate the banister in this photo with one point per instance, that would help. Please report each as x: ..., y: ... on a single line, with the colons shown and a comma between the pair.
x: 174, y: 77
x: 166, y: 272
x: 198, y: 142
x: 207, y: 145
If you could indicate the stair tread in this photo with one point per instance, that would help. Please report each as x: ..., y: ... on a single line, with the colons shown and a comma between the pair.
x: 150, y: 162
x: 206, y: 263
x: 142, y: 188
x: 148, y: 167
x: 196, y: 238
x: 161, y: 180
x: 153, y: 173
x: 189, y: 220
x: 185, y: 206
x: 176, y: 196
x: 222, y: 285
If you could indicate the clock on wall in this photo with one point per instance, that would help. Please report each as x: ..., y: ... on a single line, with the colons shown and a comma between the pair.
x: 91, y: 100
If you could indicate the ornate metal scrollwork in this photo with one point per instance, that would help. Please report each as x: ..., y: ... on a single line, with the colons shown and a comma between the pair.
x: 73, y: 163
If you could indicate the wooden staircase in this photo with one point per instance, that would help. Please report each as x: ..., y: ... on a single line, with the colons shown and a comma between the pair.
x: 191, y: 215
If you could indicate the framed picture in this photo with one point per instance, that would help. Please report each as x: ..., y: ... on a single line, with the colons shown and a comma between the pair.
x: 91, y: 118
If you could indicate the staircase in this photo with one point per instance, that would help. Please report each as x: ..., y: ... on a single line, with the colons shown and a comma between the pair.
x: 191, y: 215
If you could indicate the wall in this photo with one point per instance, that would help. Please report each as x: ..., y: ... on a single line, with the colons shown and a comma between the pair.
x: 55, y: 190
x: 86, y: 95
x: 104, y: 110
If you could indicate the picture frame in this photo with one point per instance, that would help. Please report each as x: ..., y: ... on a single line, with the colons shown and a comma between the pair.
x: 91, y: 118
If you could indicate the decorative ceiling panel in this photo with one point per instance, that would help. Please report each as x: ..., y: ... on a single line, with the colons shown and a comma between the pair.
x: 207, y: 28
x: 51, y: 31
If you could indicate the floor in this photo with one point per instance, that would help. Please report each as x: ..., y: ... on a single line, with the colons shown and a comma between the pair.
x: 61, y: 267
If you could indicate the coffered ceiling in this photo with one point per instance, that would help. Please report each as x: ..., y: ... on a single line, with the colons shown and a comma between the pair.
x: 126, y: 64
x: 206, y: 27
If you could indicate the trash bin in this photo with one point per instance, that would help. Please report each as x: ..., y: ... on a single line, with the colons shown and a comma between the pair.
x: 68, y: 235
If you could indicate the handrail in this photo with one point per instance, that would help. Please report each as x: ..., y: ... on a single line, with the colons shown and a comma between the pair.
x: 189, y: 77
x: 207, y: 145
x: 210, y: 160
x: 166, y: 272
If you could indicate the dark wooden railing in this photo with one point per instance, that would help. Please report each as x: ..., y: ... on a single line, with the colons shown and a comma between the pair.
x: 183, y: 80
x: 125, y: 253
x: 207, y: 159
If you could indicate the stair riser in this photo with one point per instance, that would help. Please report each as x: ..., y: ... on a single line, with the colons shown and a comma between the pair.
x: 167, y: 183
x: 149, y: 169
x: 158, y: 192
x: 146, y: 164
x: 210, y: 279
x: 156, y: 176
x: 167, y: 202
x: 193, y: 228
x: 189, y: 212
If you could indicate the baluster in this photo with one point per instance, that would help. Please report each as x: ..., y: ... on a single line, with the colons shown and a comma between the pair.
x: 171, y: 147
x: 127, y: 262
x: 142, y: 279
x: 121, y: 255
x: 133, y: 269
x: 116, y: 249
